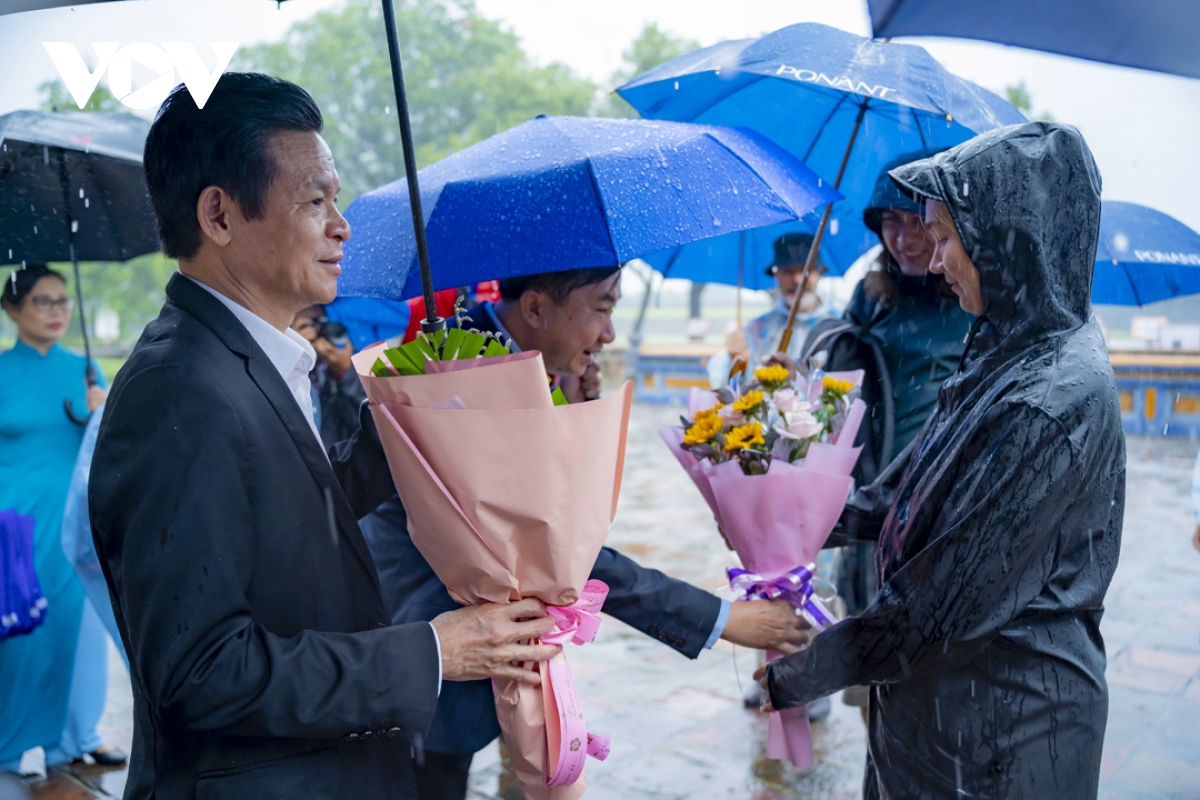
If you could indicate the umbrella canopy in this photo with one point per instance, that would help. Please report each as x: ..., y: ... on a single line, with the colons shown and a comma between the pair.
x: 560, y: 193
x: 17, y: 6
x: 806, y: 87
x: 1143, y: 256
x: 73, y: 178
x: 1159, y: 35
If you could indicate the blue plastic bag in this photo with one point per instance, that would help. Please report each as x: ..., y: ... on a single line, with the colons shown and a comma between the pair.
x: 22, y: 606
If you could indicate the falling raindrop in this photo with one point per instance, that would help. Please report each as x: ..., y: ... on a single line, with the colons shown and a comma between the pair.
x: 74, y: 226
x: 81, y: 194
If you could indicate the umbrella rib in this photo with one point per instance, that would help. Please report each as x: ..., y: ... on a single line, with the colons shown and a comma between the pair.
x: 603, y: 209
x: 821, y: 129
x: 1132, y: 284
x: 732, y: 91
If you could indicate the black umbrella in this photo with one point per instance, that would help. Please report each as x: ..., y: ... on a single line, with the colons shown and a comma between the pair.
x: 72, y: 189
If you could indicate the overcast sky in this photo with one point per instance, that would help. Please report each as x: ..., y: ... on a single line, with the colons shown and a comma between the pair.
x: 1144, y: 128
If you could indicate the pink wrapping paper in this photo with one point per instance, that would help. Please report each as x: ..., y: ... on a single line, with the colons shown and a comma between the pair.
x: 507, y: 498
x: 777, y: 522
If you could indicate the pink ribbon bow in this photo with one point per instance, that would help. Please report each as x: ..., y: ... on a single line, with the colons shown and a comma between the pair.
x: 568, y: 742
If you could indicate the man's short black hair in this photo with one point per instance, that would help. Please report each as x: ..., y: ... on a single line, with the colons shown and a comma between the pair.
x: 225, y: 144
x: 558, y: 285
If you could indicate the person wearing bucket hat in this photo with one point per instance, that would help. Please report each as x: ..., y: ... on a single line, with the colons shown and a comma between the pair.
x: 787, y: 267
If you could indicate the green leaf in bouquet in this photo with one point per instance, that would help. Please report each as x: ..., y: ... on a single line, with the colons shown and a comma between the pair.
x: 494, y: 348
x: 472, y: 343
x: 381, y: 370
x: 425, y: 347
x: 558, y: 397
x: 404, y: 362
x: 452, y: 344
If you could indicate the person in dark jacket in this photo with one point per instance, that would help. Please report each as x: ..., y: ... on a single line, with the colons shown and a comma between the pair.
x: 566, y: 316
x: 914, y: 318
x: 337, y: 391
x: 983, y: 646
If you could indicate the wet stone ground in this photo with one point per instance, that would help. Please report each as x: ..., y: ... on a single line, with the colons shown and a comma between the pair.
x: 679, y: 729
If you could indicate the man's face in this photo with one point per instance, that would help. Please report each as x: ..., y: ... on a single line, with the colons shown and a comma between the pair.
x: 907, y: 240
x: 292, y: 253
x: 950, y: 258
x: 788, y: 279
x: 575, y: 331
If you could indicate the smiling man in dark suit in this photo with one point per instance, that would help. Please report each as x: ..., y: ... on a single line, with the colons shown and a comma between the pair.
x: 263, y: 662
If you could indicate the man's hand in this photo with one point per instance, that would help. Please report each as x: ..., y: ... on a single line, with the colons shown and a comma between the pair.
x: 95, y: 397
x: 578, y: 388
x: 1196, y: 538
x: 760, y: 675
x: 766, y: 625
x: 491, y: 641
x: 337, y: 359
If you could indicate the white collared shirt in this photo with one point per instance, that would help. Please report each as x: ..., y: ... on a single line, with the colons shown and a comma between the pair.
x: 292, y: 355
x: 289, y: 352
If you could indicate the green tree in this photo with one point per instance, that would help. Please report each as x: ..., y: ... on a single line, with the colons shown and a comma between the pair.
x: 1018, y: 95
x: 467, y: 78
x: 653, y: 46
x: 56, y: 97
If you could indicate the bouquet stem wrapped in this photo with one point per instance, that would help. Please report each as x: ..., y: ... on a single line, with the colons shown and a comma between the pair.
x: 777, y: 503
x: 510, y: 496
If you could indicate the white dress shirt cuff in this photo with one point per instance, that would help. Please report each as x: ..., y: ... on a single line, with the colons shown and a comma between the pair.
x: 437, y: 646
x: 719, y: 627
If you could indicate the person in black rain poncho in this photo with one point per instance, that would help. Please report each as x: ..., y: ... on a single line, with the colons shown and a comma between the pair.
x: 982, y: 647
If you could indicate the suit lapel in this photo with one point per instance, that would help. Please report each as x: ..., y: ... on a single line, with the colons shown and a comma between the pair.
x: 206, y: 308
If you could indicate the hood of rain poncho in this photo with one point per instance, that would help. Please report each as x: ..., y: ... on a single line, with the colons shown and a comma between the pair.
x: 887, y: 195
x: 982, y: 647
x: 1031, y: 232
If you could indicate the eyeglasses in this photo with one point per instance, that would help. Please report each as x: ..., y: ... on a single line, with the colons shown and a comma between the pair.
x: 44, y: 304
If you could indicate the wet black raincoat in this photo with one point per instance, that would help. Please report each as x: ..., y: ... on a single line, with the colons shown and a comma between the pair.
x: 983, y: 645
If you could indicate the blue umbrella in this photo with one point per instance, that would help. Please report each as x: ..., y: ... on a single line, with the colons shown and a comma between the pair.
x: 1149, y: 34
x: 814, y: 89
x: 369, y: 320
x: 559, y: 193
x: 1144, y: 256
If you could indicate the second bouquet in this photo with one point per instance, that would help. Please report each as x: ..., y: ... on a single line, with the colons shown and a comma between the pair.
x: 510, y: 494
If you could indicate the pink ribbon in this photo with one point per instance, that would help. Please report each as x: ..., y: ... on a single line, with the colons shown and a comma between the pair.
x: 568, y: 742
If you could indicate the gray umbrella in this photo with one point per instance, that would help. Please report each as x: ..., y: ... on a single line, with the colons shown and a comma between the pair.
x: 72, y: 189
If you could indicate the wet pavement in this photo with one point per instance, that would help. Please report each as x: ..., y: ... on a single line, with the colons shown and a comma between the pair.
x: 679, y: 729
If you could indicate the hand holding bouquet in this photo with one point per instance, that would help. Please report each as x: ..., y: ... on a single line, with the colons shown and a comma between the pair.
x: 510, y: 494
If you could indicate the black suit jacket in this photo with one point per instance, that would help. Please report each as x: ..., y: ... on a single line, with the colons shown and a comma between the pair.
x: 264, y: 665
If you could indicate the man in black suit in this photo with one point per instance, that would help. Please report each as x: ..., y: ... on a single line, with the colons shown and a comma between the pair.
x: 568, y: 317
x: 263, y: 662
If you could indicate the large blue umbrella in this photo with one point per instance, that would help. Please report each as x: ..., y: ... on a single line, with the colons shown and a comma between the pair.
x: 560, y: 193
x: 1150, y: 34
x: 1144, y: 256
x: 844, y: 105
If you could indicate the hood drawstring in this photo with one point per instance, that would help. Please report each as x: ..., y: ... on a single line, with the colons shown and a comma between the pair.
x: 975, y: 327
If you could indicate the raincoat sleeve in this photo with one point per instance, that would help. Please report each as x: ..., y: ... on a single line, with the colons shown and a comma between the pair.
x: 184, y: 581
x: 986, y: 557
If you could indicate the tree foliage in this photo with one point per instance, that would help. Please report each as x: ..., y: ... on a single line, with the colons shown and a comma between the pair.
x: 56, y: 97
x: 467, y: 78
x: 653, y: 46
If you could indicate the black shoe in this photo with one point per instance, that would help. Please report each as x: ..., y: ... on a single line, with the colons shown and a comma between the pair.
x: 110, y: 756
x: 754, y: 697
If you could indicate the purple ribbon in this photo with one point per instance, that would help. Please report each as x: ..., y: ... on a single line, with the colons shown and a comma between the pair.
x: 794, y: 586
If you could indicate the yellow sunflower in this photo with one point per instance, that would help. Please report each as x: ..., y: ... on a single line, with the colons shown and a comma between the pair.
x: 772, y: 378
x: 703, y: 430
x: 836, y: 386
x: 749, y: 402
x: 744, y: 436
x: 708, y: 412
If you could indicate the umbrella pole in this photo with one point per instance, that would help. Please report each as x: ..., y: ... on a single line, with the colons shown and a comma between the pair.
x: 786, y: 339
x: 89, y: 373
x: 432, y: 321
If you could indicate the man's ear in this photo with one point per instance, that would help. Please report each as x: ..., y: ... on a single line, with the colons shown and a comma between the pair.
x: 213, y: 211
x: 533, y: 308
